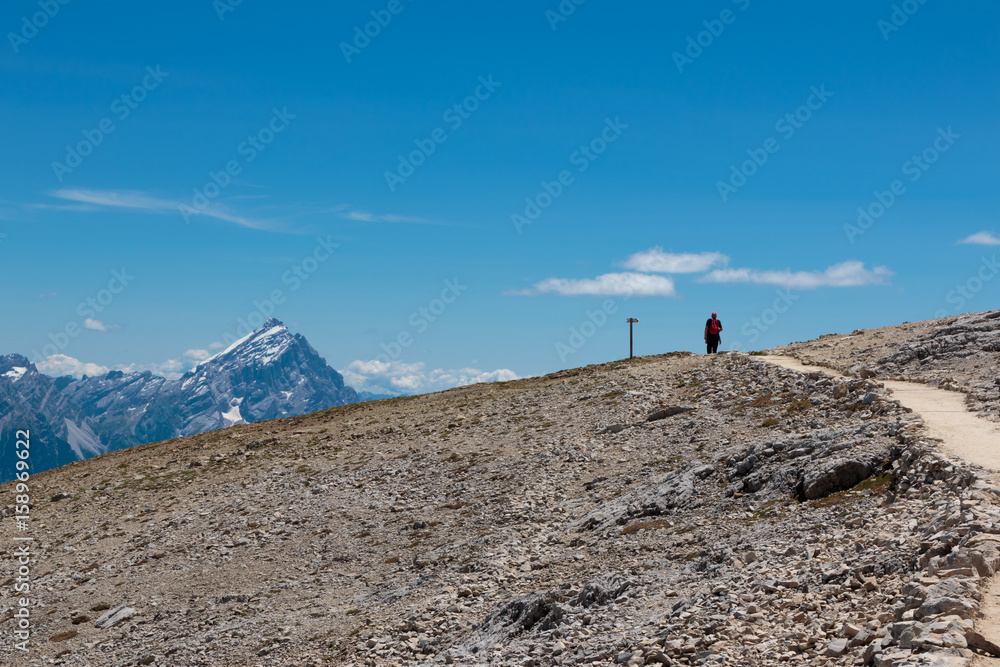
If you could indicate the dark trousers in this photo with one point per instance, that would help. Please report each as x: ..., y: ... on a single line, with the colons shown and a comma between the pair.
x: 713, y: 341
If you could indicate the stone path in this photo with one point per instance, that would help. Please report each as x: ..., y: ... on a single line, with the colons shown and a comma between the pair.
x: 945, y: 417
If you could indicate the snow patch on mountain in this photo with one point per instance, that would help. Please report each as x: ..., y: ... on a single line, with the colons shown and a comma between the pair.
x: 15, y: 373
x: 83, y: 439
x: 226, y: 351
x: 233, y: 416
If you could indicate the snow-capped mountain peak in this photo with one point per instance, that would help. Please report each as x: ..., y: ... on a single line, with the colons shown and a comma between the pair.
x: 267, y: 374
x: 266, y: 341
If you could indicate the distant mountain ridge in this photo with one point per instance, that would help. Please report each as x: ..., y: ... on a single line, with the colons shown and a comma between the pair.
x: 267, y: 374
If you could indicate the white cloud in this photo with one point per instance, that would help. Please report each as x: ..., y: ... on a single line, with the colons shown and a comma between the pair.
x: 368, y: 216
x: 982, y: 238
x: 397, y: 377
x: 197, y: 355
x: 609, y: 284
x: 140, y: 201
x: 97, y: 325
x: 216, y: 345
x: 655, y: 260
x: 60, y: 364
x: 170, y: 369
x: 845, y: 274
x: 114, y: 199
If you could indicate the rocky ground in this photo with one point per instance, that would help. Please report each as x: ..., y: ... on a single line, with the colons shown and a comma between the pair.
x: 676, y: 509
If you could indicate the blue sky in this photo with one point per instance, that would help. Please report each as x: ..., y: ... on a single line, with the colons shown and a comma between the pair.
x: 529, y: 174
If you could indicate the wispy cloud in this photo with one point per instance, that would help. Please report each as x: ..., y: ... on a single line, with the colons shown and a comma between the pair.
x: 397, y: 377
x: 140, y: 201
x: 845, y: 274
x: 359, y: 215
x: 655, y: 260
x: 609, y: 284
x: 982, y: 238
x: 115, y: 199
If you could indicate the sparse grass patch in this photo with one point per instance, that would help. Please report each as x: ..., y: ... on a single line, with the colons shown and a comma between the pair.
x: 878, y: 485
x: 763, y: 401
x: 768, y: 511
x: 646, y: 525
x: 770, y: 422
x: 800, y: 405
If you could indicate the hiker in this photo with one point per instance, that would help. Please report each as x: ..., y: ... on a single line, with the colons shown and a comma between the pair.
x: 713, y: 327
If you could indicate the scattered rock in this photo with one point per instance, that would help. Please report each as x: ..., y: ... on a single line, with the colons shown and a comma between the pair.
x: 663, y: 413
x: 114, y: 616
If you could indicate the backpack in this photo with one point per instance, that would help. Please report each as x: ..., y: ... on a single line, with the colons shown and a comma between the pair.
x: 714, y: 326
